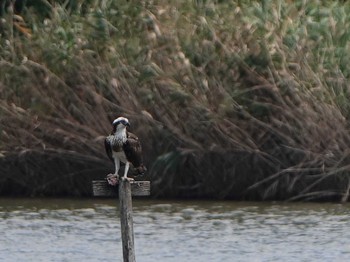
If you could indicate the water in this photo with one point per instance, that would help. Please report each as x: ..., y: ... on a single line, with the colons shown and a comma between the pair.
x: 169, y: 231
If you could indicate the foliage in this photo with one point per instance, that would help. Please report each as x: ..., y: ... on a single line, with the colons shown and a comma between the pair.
x: 232, y: 99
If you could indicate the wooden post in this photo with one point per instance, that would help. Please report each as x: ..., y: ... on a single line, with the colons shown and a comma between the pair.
x: 126, y: 190
x: 126, y: 222
x: 101, y: 188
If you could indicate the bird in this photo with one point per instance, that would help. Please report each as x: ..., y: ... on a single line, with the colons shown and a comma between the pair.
x: 123, y: 146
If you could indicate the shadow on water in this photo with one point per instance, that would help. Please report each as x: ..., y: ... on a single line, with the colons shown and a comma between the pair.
x: 89, y: 230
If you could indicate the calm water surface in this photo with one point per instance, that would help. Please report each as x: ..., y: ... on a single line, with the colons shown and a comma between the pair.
x: 167, y: 231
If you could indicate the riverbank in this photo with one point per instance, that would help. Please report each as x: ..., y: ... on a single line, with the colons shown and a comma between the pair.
x: 245, y: 101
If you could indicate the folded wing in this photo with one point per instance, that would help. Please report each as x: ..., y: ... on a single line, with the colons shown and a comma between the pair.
x: 133, y: 152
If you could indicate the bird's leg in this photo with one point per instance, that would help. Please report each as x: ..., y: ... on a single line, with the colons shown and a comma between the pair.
x: 127, y: 165
x: 113, y: 178
x: 117, y: 166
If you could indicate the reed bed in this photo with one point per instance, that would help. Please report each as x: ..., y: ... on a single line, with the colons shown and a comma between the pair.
x: 232, y: 100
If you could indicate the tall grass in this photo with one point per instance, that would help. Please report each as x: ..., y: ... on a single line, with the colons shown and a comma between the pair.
x: 231, y: 100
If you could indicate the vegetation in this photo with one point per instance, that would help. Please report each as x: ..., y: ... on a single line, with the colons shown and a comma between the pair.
x: 232, y: 99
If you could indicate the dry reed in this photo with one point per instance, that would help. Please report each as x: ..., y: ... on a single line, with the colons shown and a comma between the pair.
x: 231, y: 100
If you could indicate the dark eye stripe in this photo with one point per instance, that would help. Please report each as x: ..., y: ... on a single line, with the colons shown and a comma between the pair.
x: 124, y: 122
x: 121, y: 121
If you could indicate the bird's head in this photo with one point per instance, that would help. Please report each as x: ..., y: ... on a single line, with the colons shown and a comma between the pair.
x: 120, y: 123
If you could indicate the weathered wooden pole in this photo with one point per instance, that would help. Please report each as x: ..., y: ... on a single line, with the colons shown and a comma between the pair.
x: 126, y: 222
x: 101, y: 188
x: 126, y: 189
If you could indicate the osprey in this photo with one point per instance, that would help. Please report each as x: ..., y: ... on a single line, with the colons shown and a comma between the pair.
x: 123, y: 146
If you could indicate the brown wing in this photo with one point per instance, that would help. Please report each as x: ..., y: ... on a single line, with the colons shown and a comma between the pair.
x: 108, y: 148
x: 133, y: 151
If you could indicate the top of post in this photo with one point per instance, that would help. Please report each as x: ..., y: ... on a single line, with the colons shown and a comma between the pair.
x: 101, y: 188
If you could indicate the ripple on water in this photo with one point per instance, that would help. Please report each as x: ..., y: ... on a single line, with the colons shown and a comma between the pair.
x: 178, y: 231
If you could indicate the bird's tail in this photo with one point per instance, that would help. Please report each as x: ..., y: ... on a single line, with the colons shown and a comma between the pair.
x: 141, y: 170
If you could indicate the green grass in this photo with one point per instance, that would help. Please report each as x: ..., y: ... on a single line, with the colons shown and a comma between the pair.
x: 240, y: 99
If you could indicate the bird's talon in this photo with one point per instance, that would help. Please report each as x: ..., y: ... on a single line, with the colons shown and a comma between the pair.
x: 128, y: 179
